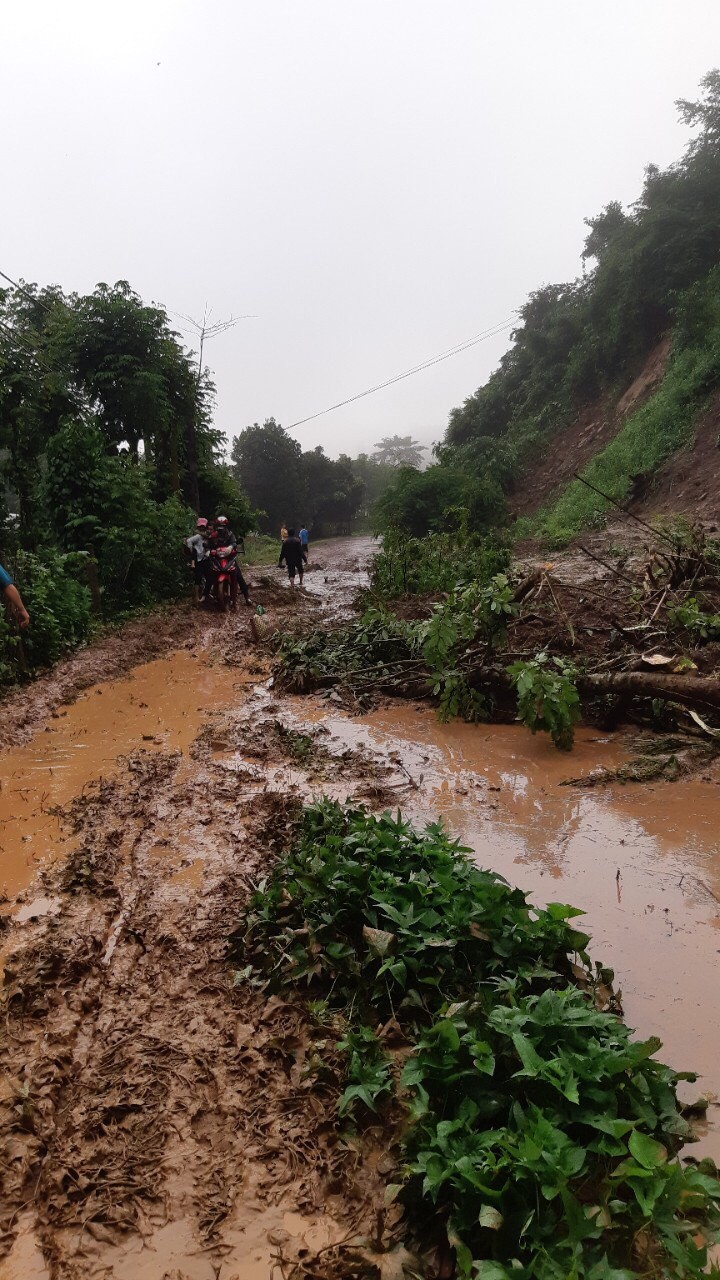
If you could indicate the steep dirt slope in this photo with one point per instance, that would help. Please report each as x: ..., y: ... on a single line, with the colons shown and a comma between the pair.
x: 689, y: 482
x: 575, y: 444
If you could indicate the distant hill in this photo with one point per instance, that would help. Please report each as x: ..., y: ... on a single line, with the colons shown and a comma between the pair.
x: 616, y: 373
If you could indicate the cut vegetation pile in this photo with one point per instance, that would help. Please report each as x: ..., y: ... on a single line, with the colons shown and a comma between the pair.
x: 531, y: 1135
x: 628, y: 632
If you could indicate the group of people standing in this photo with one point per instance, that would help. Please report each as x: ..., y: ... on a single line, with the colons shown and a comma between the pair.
x: 294, y: 551
x: 212, y: 536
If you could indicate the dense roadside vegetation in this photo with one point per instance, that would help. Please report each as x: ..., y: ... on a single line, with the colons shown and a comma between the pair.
x: 532, y: 1136
x: 648, y: 271
x: 108, y: 453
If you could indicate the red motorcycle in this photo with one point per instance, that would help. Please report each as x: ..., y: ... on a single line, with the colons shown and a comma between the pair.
x: 225, y: 578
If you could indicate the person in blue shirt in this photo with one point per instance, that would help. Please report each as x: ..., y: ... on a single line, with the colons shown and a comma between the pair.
x: 12, y: 598
x: 304, y: 542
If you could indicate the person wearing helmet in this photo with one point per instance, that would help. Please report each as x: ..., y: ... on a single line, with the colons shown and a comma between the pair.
x: 223, y: 536
x: 199, y: 547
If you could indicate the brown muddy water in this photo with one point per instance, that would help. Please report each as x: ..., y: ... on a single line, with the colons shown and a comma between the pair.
x: 641, y: 860
x: 158, y: 706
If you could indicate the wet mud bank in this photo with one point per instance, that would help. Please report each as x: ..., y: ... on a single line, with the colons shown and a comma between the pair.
x: 159, y: 1121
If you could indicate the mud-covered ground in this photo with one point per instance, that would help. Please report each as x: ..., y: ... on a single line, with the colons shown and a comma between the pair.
x: 158, y: 1121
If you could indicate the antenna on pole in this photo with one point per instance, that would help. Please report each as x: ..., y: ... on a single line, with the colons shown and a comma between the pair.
x: 206, y: 331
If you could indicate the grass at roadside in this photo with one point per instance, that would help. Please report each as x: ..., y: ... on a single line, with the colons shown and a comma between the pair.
x: 261, y: 549
x: 648, y: 437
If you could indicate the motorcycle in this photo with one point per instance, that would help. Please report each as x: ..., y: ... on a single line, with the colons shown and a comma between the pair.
x: 225, y: 578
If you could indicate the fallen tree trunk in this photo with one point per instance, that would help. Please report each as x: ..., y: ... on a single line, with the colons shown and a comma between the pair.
x: 691, y: 691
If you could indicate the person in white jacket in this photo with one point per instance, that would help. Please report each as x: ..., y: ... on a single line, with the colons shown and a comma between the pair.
x: 199, y: 548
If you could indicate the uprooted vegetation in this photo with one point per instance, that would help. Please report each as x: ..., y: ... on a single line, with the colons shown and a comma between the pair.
x: 633, y: 637
x: 530, y: 1135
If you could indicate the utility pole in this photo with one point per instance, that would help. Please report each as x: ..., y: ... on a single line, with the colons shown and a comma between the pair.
x: 206, y: 331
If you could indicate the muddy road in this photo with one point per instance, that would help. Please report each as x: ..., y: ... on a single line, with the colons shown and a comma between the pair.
x: 159, y: 1123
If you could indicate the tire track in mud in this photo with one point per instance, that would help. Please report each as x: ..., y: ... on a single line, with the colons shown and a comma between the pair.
x: 155, y: 1120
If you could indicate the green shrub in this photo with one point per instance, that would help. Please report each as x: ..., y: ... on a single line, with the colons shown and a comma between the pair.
x: 436, y: 563
x: 104, y: 501
x: 690, y: 617
x: 547, y: 697
x: 538, y: 1139
x: 474, y: 614
x: 58, y: 602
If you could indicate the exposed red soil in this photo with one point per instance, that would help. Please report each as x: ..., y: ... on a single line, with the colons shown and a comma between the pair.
x: 689, y: 482
x: 572, y: 447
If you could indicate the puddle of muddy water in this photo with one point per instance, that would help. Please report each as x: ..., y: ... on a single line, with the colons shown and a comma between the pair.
x: 160, y: 706
x: 642, y: 861
x: 25, y: 1261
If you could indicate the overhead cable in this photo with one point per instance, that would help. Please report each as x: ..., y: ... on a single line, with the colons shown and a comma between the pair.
x: 425, y: 364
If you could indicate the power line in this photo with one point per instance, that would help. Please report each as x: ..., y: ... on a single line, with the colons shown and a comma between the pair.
x: 207, y: 331
x: 33, y: 297
x: 18, y: 338
x: 425, y: 364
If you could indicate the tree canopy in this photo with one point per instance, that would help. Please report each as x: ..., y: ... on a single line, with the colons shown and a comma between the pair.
x: 107, y: 452
x: 398, y: 451
x: 577, y: 340
x: 289, y: 486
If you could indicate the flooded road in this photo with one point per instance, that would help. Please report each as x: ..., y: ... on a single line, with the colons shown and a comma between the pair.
x: 159, y: 706
x: 131, y: 825
x: 641, y: 860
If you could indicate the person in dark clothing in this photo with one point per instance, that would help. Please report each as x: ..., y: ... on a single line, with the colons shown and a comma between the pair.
x: 292, y: 553
x: 223, y: 536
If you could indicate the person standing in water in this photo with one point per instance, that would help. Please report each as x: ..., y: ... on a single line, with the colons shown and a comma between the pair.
x: 291, y: 553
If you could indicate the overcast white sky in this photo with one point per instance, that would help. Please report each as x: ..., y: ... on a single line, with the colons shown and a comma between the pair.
x: 376, y: 180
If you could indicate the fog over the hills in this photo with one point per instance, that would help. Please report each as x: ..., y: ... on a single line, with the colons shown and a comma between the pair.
x: 373, y: 182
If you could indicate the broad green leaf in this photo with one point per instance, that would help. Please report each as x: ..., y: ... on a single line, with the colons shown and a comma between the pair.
x: 646, y: 1151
